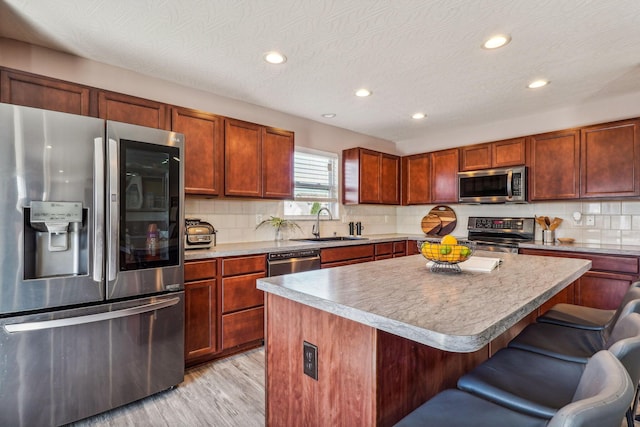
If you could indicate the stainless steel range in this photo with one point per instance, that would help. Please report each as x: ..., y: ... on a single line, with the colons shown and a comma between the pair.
x: 500, y: 234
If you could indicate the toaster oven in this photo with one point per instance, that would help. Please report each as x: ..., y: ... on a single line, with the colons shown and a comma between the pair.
x: 199, y: 234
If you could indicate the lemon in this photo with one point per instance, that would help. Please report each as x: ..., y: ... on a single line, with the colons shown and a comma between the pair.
x: 449, y: 240
x: 430, y: 250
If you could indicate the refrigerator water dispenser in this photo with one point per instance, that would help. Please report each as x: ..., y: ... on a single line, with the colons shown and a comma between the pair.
x: 54, y: 243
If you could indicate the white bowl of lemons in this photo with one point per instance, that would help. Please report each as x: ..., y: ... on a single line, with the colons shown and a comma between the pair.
x: 446, y: 254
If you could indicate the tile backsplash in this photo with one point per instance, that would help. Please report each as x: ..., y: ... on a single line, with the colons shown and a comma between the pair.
x: 614, y: 222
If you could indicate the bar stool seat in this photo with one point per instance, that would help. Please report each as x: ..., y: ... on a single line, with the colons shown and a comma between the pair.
x: 577, y: 316
x: 563, y: 342
x: 539, y: 385
x: 600, y: 399
x: 456, y: 408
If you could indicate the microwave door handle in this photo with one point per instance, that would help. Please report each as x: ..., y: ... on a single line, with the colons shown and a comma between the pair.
x: 510, y: 184
x: 113, y: 201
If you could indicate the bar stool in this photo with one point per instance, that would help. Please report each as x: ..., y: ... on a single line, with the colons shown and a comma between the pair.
x: 600, y: 399
x: 539, y: 385
x: 573, y: 344
x: 578, y: 316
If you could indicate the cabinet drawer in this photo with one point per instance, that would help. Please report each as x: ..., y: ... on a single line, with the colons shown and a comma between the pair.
x: 240, y: 292
x: 198, y: 270
x: 242, y: 327
x: 611, y: 263
x: 400, y: 248
x: 244, y: 265
x: 346, y: 253
x: 384, y: 249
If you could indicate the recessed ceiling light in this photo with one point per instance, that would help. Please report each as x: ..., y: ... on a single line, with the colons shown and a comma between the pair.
x: 496, y: 41
x: 363, y: 92
x: 418, y: 116
x: 329, y: 115
x: 275, y: 58
x: 538, y: 83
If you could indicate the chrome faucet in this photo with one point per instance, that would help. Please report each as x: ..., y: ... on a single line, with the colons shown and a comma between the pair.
x: 315, y: 230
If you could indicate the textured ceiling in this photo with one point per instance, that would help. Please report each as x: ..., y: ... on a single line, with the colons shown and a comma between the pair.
x: 415, y: 55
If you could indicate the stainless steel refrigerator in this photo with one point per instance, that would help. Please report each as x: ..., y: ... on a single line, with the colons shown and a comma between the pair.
x: 91, y: 262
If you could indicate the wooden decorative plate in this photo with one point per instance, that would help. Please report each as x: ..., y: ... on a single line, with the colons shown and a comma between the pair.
x: 440, y: 221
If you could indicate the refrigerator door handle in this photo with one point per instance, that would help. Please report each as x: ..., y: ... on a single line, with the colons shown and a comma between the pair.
x: 98, y: 210
x: 113, y: 212
x: 98, y: 317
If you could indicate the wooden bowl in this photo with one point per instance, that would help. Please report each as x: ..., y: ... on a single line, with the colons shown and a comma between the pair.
x: 566, y: 240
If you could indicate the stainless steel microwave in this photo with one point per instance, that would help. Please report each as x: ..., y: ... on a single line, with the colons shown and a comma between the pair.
x: 505, y: 185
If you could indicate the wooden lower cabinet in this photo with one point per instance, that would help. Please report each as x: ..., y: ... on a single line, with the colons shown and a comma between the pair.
x: 201, y: 325
x: 601, y: 287
x: 242, y: 303
x: 336, y: 257
x: 390, y: 250
x: 242, y: 327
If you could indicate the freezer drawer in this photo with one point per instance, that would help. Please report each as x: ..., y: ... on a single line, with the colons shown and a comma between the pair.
x: 60, y: 367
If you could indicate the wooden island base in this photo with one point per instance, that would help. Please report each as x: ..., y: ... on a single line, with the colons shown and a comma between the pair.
x: 366, y: 377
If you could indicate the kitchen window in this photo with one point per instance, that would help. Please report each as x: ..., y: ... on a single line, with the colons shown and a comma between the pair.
x: 315, y: 184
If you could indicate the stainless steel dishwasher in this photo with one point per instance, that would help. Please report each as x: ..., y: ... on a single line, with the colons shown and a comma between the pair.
x: 293, y: 262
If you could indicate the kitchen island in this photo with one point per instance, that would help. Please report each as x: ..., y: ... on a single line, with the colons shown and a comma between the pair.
x: 391, y: 334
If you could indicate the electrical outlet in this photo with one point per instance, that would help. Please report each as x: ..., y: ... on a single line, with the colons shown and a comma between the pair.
x: 589, y: 220
x: 310, y: 360
x: 258, y: 219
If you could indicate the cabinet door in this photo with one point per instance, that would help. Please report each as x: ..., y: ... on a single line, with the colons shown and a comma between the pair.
x: 277, y: 164
x: 242, y: 327
x: 510, y: 152
x: 444, y: 176
x: 602, y: 290
x: 129, y: 109
x: 610, y: 160
x: 389, y: 179
x: 243, y: 159
x: 554, y: 162
x: 201, y: 337
x: 369, y: 182
x: 41, y: 92
x: 474, y: 157
x: 204, y: 140
x: 416, y: 179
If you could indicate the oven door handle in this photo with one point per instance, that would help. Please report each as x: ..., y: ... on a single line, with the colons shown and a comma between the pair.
x: 90, y: 318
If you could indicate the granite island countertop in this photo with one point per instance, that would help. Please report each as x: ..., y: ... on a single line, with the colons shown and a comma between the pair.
x: 452, y: 312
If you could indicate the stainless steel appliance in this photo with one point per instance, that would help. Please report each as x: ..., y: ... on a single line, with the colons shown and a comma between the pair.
x: 506, y: 185
x: 91, y: 261
x: 199, y: 234
x: 500, y: 234
x: 280, y: 263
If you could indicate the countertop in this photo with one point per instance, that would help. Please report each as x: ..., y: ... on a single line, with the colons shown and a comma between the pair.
x: 271, y: 246
x: 453, y: 312
x: 251, y: 248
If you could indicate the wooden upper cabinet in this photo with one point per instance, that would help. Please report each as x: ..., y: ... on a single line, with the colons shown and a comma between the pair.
x: 610, y: 160
x: 389, y: 179
x: 42, y: 92
x: 509, y: 152
x: 416, y: 179
x: 277, y: 163
x: 204, y: 145
x: 258, y: 161
x: 243, y: 159
x: 370, y: 177
x: 444, y: 176
x: 133, y: 110
x: 474, y: 157
x: 554, y: 165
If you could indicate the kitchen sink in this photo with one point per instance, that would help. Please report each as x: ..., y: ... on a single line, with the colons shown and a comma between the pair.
x: 329, y: 239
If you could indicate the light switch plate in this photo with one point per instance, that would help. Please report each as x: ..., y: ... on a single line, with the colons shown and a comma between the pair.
x: 589, y: 220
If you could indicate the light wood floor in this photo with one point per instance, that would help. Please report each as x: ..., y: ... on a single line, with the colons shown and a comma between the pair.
x: 227, y: 392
